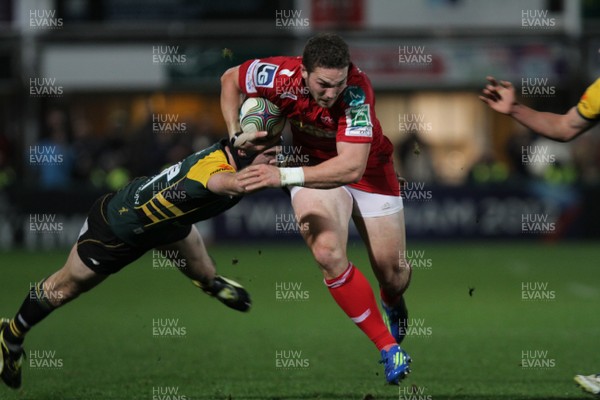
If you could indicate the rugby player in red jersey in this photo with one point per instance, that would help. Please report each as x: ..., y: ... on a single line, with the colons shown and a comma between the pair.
x: 350, y: 174
x: 150, y: 212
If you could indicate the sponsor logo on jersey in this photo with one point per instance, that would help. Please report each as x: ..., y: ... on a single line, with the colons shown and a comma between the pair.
x: 354, y: 96
x: 223, y: 168
x: 288, y: 95
x: 358, y: 121
x: 286, y: 72
x: 264, y: 74
x: 326, y: 119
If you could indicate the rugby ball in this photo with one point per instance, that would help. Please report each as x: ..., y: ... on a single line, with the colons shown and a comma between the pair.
x: 259, y: 114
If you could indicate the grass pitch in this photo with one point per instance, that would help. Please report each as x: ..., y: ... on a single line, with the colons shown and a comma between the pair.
x: 488, y: 321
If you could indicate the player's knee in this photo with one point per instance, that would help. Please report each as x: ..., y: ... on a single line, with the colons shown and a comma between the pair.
x: 394, y: 277
x: 330, y: 258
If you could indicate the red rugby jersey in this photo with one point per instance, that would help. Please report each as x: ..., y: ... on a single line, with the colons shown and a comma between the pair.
x: 316, y: 129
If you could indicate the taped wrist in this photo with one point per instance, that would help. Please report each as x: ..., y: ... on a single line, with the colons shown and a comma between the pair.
x: 292, y: 176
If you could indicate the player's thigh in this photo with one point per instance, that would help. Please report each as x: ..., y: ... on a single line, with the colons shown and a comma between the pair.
x: 385, y: 238
x: 323, y: 216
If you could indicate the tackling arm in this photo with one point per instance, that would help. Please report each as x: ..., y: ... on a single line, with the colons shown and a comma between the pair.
x: 226, y: 184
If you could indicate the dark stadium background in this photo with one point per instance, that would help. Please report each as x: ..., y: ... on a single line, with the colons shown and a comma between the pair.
x: 83, y: 84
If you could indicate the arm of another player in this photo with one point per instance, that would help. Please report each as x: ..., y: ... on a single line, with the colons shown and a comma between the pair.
x: 228, y: 183
x: 347, y: 167
x: 500, y: 97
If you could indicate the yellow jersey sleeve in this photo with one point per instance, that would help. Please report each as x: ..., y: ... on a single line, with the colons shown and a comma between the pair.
x: 206, y: 167
x: 589, y: 104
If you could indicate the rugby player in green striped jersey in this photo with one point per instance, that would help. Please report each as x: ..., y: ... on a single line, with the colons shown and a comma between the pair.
x: 155, y: 212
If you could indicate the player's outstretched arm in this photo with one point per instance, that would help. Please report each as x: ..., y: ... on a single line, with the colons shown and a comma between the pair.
x: 226, y: 183
x: 347, y: 167
x: 500, y: 97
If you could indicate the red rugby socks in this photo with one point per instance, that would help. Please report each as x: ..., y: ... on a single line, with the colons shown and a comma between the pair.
x: 353, y: 293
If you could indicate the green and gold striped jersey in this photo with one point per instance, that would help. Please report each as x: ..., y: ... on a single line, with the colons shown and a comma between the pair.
x: 147, y: 208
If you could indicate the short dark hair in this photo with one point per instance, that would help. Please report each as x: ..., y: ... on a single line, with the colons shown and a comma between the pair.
x: 325, y: 50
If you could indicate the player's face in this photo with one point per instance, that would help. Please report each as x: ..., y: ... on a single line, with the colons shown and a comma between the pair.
x: 325, y: 84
